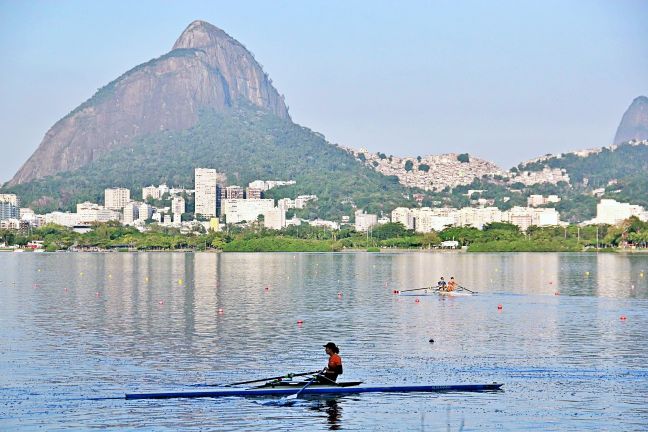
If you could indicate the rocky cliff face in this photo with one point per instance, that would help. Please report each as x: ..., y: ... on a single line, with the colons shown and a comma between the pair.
x: 205, y: 69
x: 634, y: 124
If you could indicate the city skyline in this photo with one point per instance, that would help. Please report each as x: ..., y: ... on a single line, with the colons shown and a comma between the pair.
x: 502, y: 82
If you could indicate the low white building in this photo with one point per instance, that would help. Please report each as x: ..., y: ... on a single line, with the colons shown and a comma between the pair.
x: 150, y: 192
x: 364, y: 221
x: 65, y: 219
x: 286, y: 203
x: 324, y: 224
x: 302, y: 200
x: 611, y: 212
x: 524, y: 217
x: 478, y: 217
x: 239, y: 210
x: 274, y: 218
x: 90, y: 212
x: 540, y: 200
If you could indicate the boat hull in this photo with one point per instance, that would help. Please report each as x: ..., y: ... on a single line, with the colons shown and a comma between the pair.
x: 329, y: 390
x: 436, y: 293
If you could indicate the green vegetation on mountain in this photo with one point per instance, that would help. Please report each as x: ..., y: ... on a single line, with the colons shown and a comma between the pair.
x: 247, y: 145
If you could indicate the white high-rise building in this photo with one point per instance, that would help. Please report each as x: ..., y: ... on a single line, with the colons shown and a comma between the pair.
x: 116, y: 198
x: 131, y: 213
x: 205, y: 181
x: 178, y: 205
x: 11, y: 199
x: 404, y: 216
x: 145, y: 212
x: 239, y: 210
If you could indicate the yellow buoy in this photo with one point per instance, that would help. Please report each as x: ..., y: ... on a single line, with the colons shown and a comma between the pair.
x: 179, y: 281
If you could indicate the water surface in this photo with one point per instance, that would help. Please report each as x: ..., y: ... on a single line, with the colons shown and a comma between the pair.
x: 75, y: 328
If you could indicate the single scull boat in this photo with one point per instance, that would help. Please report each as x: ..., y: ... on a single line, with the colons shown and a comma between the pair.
x: 319, y: 390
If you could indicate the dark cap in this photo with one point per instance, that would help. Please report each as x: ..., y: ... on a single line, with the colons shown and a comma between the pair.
x: 332, y: 346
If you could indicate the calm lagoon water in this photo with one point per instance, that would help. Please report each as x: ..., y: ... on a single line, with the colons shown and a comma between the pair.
x: 76, y: 328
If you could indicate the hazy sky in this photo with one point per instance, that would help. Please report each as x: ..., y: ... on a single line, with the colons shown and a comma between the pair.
x: 502, y: 80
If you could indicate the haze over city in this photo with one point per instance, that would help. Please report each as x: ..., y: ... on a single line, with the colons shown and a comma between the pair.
x: 506, y: 81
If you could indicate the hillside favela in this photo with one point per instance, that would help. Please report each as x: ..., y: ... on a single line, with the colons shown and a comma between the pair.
x: 448, y: 248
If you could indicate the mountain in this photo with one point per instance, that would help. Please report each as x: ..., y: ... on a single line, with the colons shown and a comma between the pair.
x: 634, y: 124
x: 206, y: 69
x: 206, y: 103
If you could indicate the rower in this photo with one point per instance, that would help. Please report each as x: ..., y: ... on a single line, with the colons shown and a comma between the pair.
x: 452, y: 284
x: 334, y: 366
x: 441, y: 285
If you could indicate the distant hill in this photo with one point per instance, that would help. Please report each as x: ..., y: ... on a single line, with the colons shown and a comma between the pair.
x: 634, y: 124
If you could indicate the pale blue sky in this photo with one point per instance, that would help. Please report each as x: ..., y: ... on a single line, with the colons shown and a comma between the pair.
x: 502, y: 80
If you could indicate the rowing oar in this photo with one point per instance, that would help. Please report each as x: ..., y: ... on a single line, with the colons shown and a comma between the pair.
x: 464, y: 288
x: 414, y: 289
x: 257, y: 380
x: 296, y: 395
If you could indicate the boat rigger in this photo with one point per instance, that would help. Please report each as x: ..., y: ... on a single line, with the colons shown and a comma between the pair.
x: 319, y: 390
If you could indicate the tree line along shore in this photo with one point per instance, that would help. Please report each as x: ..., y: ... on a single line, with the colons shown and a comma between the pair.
x: 495, y: 237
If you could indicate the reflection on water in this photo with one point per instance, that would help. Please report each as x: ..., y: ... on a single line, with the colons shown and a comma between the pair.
x: 74, y: 326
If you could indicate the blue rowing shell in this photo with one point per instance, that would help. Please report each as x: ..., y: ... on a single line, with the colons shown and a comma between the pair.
x: 320, y: 391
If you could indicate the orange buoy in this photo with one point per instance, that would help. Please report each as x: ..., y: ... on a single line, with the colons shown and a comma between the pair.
x: 499, y: 307
x: 623, y: 318
x: 417, y: 301
x: 300, y: 322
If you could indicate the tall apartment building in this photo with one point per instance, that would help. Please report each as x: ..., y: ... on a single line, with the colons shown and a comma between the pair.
x: 131, y: 213
x: 10, y: 198
x: 116, y: 198
x: 205, y: 186
x: 145, y: 212
x: 178, y: 205
x: 404, y: 216
x: 8, y: 211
